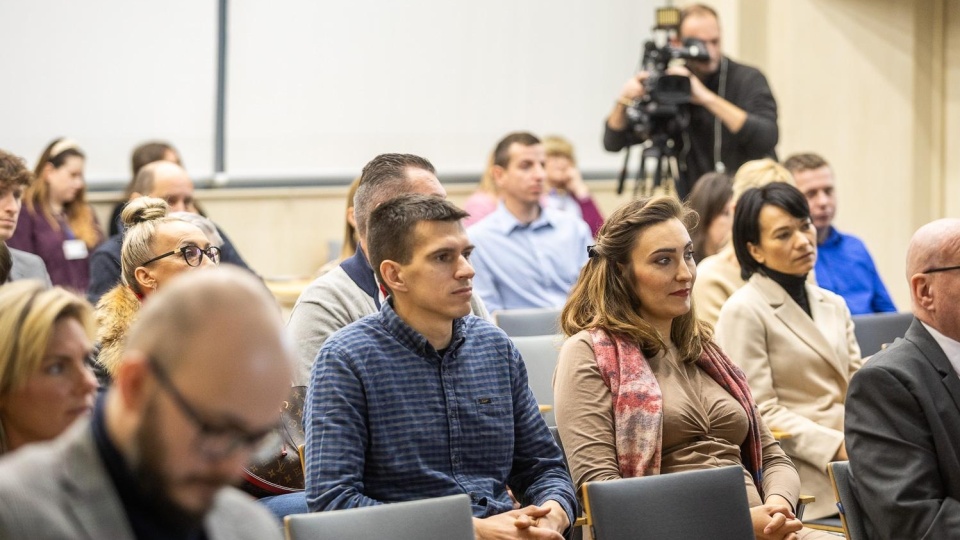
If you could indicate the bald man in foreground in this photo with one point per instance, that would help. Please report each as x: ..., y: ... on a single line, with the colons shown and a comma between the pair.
x: 201, y: 383
x: 903, y: 406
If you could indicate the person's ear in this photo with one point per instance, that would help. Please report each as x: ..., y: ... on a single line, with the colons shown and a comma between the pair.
x: 756, y: 252
x: 351, y: 218
x: 130, y: 379
x: 392, y: 274
x: 47, y: 169
x: 145, y: 278
x: 498, y: 173
x: 921, y: 291
x: 134, y: 195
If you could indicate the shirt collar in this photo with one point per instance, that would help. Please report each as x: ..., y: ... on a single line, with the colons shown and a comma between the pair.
x: 833, y: 237
x: 506, y: 222
x: 950, y: 347
x: 413, y: 340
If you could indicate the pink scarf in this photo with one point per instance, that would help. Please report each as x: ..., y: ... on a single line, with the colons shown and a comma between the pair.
x: 638, y: 403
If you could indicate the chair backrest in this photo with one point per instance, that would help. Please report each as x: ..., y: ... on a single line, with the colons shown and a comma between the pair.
x: 444, y: 517
x: 529, y: 322
x: 876, y: 329
x: 540, y: 356
x: 709, y: 503
x: 851, y: 515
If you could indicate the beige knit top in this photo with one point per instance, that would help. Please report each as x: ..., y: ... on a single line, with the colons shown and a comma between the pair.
x: 703, y: 425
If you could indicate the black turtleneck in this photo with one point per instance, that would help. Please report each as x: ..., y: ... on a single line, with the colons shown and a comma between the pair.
x: 139, y: 506
x: 794, y: 285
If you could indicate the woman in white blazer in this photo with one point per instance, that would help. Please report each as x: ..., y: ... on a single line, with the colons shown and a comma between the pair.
x: 794, y: 340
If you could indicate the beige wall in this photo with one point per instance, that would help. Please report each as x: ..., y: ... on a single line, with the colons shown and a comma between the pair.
x: 285, y: 232
x: 873, y: 85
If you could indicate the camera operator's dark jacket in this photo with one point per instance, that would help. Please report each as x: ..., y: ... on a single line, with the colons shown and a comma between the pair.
x: 746, y: 88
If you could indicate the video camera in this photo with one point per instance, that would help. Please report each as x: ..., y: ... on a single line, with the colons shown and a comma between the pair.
x: 661, y: 115
x: 662, y: 111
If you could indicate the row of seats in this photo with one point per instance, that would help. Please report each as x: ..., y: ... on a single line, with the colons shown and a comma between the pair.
x: 873, y: 330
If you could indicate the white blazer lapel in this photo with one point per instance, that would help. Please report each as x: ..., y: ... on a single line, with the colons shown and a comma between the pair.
x: 829, y: 321
x: 797, y: 321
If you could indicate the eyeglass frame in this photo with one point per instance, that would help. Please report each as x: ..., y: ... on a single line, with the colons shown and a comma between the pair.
x: 940, y: 269
x: 239, y: 438
x: 183, y: 251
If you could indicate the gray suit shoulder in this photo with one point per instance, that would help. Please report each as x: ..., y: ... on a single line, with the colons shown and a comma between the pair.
x: 28, y: 266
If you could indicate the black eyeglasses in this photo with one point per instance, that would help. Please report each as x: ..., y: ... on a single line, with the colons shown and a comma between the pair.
x: 214, y: 441
x: 941, y: 269
x: 193, y: 255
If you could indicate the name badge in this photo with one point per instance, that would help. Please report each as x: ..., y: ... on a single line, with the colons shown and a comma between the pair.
x: 74, y: 249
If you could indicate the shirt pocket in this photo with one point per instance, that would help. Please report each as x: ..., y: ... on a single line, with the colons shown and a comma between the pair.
x: 492, y: 407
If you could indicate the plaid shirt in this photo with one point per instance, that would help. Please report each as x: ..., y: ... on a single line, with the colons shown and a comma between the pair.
x: 388, y: 419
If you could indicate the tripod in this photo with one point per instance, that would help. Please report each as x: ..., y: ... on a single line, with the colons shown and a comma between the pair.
x: 658, y: 168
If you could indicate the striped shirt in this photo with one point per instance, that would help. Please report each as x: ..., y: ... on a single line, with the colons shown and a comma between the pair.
x: 388, y: 419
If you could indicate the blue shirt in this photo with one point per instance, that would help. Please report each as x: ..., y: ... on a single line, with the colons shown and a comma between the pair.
x: 527, y: 266
x: 388, y: 419
x: 844, y: 266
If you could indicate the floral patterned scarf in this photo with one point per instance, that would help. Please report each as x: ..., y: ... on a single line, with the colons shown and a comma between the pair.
x: 638, y: 403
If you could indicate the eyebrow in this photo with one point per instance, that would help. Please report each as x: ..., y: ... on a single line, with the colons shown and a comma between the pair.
x: 671, y: 250
x: 438, y: 251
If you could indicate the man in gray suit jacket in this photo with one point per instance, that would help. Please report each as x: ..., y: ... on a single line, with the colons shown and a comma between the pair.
x: 201, y: 383
x: 903, y: 407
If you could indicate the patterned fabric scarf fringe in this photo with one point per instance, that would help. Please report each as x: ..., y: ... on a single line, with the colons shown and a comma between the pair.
x: 638, y: 404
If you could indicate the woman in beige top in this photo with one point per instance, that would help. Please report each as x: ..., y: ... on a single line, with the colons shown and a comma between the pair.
x: 677, y: 402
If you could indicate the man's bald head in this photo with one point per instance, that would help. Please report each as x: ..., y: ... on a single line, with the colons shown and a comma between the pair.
x: 934, y: 284
x: 202, y: 381
x: 168, y: 181
x: 200, y: 306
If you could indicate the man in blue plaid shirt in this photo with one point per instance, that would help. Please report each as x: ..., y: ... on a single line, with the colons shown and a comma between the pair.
x: 423, y: 399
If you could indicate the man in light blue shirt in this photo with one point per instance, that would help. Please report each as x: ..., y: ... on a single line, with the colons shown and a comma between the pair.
x: 844, y: 265
x: 526, y: 256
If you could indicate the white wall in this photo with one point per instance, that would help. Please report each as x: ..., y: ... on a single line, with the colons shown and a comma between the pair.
x: 314, y: 88
x: 110, y: 74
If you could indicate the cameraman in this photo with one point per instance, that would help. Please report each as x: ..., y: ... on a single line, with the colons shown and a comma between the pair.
x: 728, y: 98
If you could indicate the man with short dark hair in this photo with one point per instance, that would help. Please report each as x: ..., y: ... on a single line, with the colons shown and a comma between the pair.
x: 733, y: 117
x: 424, y: 400
x: 350, y: 291
x: 844, y: 265
x: 903, y: 406
x: 528, y: 255
x: 203, y: 377
x: 14, y: 179
x: 164, y: 180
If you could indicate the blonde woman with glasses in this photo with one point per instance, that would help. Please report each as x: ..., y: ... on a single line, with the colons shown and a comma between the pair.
x: 156, y: 248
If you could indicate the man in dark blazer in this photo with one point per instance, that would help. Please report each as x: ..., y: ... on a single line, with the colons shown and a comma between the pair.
x: 903, y: 407
x: 201, y: 383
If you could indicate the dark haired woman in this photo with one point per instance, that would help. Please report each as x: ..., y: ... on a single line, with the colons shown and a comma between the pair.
x: 794, y: 340
x: 640, y: 386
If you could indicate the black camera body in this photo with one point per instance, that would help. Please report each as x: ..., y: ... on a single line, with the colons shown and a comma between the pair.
x: 663, y: 110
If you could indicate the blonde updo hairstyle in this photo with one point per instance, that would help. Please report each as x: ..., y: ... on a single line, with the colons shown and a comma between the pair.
x: 142, y: 218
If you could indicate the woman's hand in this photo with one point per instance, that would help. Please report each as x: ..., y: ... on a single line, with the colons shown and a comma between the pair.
x: 774, y: 522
